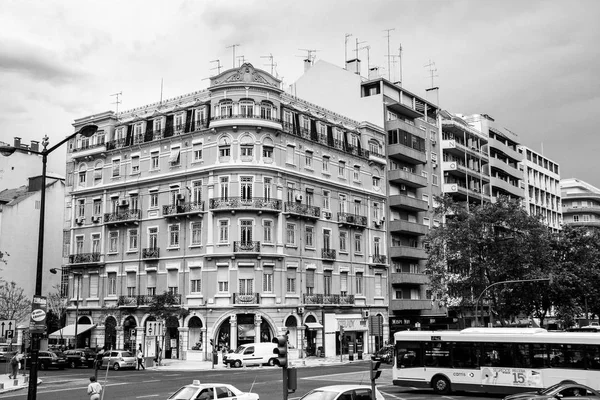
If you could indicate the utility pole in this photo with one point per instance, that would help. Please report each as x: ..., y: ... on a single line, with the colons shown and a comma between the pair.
x: 233, y: 46
x: 388, y: 52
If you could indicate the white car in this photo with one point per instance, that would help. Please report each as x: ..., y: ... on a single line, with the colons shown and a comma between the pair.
x: 354, y: 392
x: 211, y: 391
x: 117, y: 359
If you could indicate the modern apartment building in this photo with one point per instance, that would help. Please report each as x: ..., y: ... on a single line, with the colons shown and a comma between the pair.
x: 542, y: 187
x: 580, y: 203
x: 261, y: 212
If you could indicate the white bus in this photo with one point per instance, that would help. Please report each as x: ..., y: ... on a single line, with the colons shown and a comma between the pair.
x: 495, y: 360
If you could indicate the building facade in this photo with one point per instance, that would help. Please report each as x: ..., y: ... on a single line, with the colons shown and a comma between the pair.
x: 259, y: 211
x: 580, y: 203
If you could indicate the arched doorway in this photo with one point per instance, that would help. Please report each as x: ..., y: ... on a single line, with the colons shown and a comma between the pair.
x: 310, y: 336
x: 171, y: 337
x: 195, y: 334
x: 129, y: 334
x: 292, y: 331
x: 83, y: 338
x: 265, y: 332
x: 222, y: 340
x: 110, y: 333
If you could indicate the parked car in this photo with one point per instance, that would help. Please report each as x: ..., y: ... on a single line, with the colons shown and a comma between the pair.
x: 252, y: 354
x: 563, y: 390
x: 210, y: 391
x: 80, y: 358
x: 354, y: 392
x: 385, y: 354
x: 48, y: 359
x: 117, y: 359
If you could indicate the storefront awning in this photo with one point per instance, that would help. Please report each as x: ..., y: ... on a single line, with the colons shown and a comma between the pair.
x: 69, y: 331
x: 313, y: 325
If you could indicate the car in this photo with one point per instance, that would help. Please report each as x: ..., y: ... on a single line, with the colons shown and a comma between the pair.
x: 211, y: 391
x: 48, y: 359
x: 252, y: 354
x: 80, y: 358
x: 354, y: 392
x: 563, y: 390
x: 117, y: 359
x: 385, y: 354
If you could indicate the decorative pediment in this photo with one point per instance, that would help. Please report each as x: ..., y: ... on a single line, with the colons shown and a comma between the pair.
x: 245, y: 74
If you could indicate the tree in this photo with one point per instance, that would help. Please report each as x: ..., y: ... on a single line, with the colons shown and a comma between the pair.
x: 13, y: 303
x: 485, y: 244
x: 3, y: 256
x: 57, y: 309
x: 165, y: 307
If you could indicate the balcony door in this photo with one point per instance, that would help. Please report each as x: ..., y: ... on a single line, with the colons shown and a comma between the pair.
x: 152, y: 238
x: 246, y: 188
x: 326, y: 239
x: 246, y: 232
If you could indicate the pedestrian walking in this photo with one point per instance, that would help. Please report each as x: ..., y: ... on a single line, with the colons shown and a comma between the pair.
x: 94, y: 389
x: 14, y: 365
x: 140, y: 358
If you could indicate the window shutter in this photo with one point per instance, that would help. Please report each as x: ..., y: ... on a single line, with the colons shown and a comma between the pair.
x: 310, y: 278
x: 344, y: 281
x: 94, y: 285
x: 151, y: 279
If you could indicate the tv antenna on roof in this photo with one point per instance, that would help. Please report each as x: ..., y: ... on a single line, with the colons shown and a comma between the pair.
x: 117, y: 102
x: 233, y: 46
x: 310, y: 54
x: 432, y: 71
x: 389, y: 56
x: 218, y: 67
x: 243, y: 59
x: 271, y: 63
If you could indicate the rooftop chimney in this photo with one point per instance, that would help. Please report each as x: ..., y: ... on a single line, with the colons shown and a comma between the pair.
x: 353, y: 66
x: 374, y: 73
x: 35, y: 145
x: 307, y: 64
x: 17, y: 142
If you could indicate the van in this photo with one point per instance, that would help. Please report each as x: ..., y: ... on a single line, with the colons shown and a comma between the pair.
x: 252, y: 354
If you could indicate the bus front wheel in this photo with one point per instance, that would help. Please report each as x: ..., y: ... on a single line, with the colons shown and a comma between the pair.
x: 441, y: 385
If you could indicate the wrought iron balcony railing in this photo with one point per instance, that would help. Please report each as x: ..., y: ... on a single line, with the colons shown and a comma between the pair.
x: 84, y: 258
x: 246, y: 247
x: 140, y: 300
x: 303, y: 209
x: 245, y: 116
x: 247, y: 298
x: 379, y: 259
x: 150, y: 252
x: 123, y: 216
x: 328, y: 254
x: 241, y: 203
x: 329, y: 299
x: 352, y: 219
x: 183, y: 208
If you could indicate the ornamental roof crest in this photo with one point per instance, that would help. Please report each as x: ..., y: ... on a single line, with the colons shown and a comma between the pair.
x: 245, y: 74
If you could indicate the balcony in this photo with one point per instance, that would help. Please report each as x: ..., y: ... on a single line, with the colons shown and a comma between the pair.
x: 246, y: 247
x: 376, y: 157
x: 123, y: 217
x: 141, y: 300
x: 234, y: 204
x: 245, y: 120
x: 407, y: 154
x: 352, y: 220
x: 328, y: 254
x: 334, y: 299
x: 411, y: 228
x: 581, y: 210
x: 85, y: 258
x: 408, y: 203
x: 302, y: 210
x: 181, y: 209
x: 408, y: 304
x: 150, y: 253
x: 245, y: 299
x: 88, y: 149
x: 406, y: 177
x: 408, y: 252
x: 407, y: 278
x: 379, y: 259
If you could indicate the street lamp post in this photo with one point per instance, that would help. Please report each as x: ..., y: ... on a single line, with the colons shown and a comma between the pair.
x: 500, y: 283
x: 87, y: 131
x: 78, y: 275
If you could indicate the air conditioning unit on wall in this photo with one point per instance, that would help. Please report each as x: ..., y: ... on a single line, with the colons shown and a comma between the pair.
x: 365, y: 313
x: 299, y: 197
x: 124, y: 203
x: 327, y: 214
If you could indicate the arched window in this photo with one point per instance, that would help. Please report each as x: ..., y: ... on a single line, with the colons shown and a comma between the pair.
x: 82, y: 175
x: 247, y: 148
x: 224, y: 148
x: 195, y: 334
x: 374, y: 146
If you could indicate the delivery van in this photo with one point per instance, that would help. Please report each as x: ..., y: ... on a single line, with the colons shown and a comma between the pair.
x: 252, y: 354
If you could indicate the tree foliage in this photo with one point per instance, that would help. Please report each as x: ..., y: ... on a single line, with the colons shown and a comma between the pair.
x: 57, y: 309
x: 3, y: 256
x: 166, y: 305
x: 13, y: 302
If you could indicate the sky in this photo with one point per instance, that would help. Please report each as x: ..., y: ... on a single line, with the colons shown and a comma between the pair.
x: 531, y: 65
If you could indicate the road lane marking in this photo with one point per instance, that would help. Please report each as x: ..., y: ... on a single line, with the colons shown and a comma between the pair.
x: 153, y: 380
x: 150, y: 395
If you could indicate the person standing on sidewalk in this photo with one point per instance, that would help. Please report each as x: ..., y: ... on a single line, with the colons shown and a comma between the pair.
x: 94, y: 389
x: 140, y: 358
x: 14, y: 365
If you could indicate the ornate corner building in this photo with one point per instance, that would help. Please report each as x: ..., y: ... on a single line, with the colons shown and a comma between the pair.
x: 262, y: 213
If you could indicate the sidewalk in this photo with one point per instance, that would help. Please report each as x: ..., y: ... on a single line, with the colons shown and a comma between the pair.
x: 9, y: 385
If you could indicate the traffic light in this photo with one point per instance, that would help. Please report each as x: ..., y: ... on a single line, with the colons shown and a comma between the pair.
x: 281, y: 350
x: 375, y: 372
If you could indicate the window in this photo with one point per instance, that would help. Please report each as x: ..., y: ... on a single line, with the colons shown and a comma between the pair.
x: 343, y: 283
x: 246, y: 148
x: 376, y: 211
x: 151, y: 283
x: 246, y: 232
x: 132, y: 239
x: 434, y: 179
x: 82, y: 176
x: 308, y: 159
x: 154, y: 164
x: 116, y: 168
x: 289, y: 154
x: 223, y: 231
x: 224, y: 187
x: 226, y: 109
x: 153, y: 238
x: 113, y: 239
x: 97, y: 207
x: 342, y: 169
x: 174, y: 235
x: 343, y: 241
x: 310, y: 232
x: 268, y: 231
x: 310, y: 281
x: 357, y: 243
x: 79, y: 244
x: 266, y: 111
x: 291, y: 280
x: 196, y: 229
x: 131, y: 278
x: 224, y: 148
x: 359, y: 283
x: 98, y: 173
x: 93, y: 290
x: 197, y: 150
x: 135, y: 165
x: 173, y: 281
x: 158, y: 126
x: 153, y: 200
x: 246, y: 187
x: 356, y: 176
x: 246, y: 286
x: 195, y: 280
x: 326, y: 199
x: 95, y: 243
x: 111, y: 289
x: 174, y: 157
x: 197, y: 192
x: 268, y: 279
x: 223, y: 279
x: 376, y: 182
x: 378, y: 285
x: 290, y: 234
x: 267, y: 151
x: 246, y: 108
x: 326, y: 164
x: 327, y: 283
x: 267, y: 188
x: 376, y: 246
x: 81, y: 208
x: 343, y: 204
x: 179, y: 122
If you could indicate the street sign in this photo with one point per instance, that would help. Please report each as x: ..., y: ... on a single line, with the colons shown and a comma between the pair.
x: 154, y: 328
x: 9, y: 334
x: 7, y: 325
x: 37, y: 321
